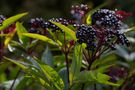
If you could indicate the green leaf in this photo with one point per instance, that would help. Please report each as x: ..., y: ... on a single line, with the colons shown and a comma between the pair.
x: 24, y: 81
x: 47, y: 56
x: 33, y: 72
x: 3, y: 35
x: 63, y: 74
x: 9, y: 38
x: 103, y: 79
x: 54, y: 37
x: 52, y: 76
x: 85, y: 76
x: 16, y: 62
x: 66, y: 30
x: 104, y: 60
x: 20, y: 29
x: 38, y: 76
x: 14, y: 45
x: 94, y: 77
x: 76, y: 61
x: 11, y: 20
x: 40, y: 37
x: 130, y: 29
x: 103, y: 69
x: 88, y: 19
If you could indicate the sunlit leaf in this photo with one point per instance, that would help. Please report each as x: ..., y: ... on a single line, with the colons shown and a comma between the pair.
x: 33, y: 72
x: 9, y: 38
x: 129, y: 29
x: 54, y: 37
x: 20, y: 29
x: 52, y: 75
x: 88, y: 20
x: 11, y: 20
x: 40, y: 37
x: 103, y: 79
x: 66, y: 30
x: 17, y: 63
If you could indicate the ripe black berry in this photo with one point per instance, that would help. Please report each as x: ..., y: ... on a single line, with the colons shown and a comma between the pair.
x: 86, y: 34
x: 36, y: 23
x: 106, y: 18
x: 60, y: 20
x: 40, y: 23
x: 32, y: 30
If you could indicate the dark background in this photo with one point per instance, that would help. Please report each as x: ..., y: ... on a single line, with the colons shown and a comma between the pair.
x: 59, y: 8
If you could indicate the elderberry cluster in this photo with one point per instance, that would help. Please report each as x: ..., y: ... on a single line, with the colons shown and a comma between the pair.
x: 40, y: 23
x: 114, y: 37
x: 60, y: 20
x: 86, y: 34
x: 121, y: 38
x: 106, y: 18
x: 35, y: 24
x: 78, y: 11
x: 105, y: 31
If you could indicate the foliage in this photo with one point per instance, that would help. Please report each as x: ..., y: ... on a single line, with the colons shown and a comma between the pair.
x: 49, y: 55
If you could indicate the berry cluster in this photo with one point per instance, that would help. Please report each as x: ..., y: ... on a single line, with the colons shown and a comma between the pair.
x: 40, y: 23
x: 36, y: 23
x: 111, y: 37
x: 106, y: 18
x: 105, y: 28
x: 86, y: 34
x: 60, y: 20
x: 121, y: 38
x: 78, y: 11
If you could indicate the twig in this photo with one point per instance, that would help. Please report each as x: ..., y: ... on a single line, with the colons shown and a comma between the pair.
x: 66, y: 57
x: 15, y: 79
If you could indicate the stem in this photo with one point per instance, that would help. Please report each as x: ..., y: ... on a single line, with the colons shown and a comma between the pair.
x: 66, y: 57
x: 82, y: 86
x: 95, y: 86
x: 15, y: 79
x: 85, y: 56
x: 91, y: 61
x: 67, y: 66
x: 1, y: 49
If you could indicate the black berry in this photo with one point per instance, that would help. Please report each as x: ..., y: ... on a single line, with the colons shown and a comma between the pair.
x: 86, y: 34
x: 106, y: 18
